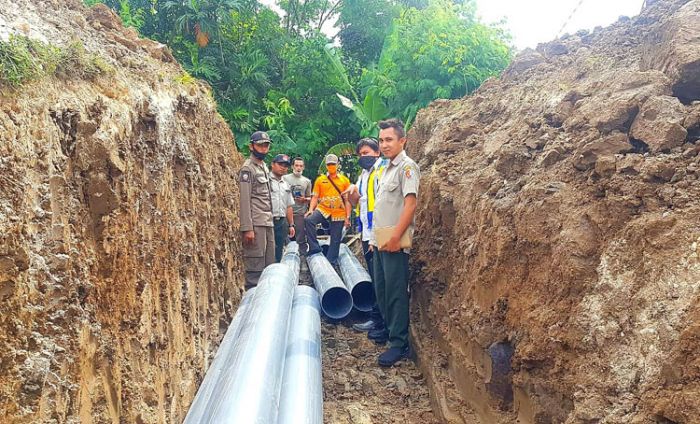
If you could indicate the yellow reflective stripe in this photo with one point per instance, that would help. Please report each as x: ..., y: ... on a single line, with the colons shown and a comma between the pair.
x: 370, y: 187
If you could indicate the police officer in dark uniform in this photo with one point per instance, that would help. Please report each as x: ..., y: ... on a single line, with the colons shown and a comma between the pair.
x: 256, y: 210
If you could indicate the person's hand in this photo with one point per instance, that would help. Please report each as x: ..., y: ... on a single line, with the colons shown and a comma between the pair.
x: 308, y: 213
x: 347, y: 222
x: 370, y: 248
x: 248, y: 237
x: 352, y: 189
x: 292, y: 231
x: 393, y: 245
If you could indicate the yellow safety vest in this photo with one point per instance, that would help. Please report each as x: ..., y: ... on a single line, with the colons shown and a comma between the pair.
x: 374, y: 176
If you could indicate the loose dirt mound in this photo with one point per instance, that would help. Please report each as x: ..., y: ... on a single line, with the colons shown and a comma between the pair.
x: 357, y: 391
x: 118, y: 229
x: 556, y: 271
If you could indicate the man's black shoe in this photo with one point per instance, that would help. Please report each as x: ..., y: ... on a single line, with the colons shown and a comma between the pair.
x: 380, y: 342
x: 378, y: 334
x: 364, y: 326
x: 392, y: 355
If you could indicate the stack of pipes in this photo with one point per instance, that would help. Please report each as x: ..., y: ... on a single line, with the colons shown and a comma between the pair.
x: 338, y: 296
x: 271, y: 347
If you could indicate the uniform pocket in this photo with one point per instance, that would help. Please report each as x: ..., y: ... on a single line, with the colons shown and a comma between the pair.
x: 391, y: 186
x: 262, y: 185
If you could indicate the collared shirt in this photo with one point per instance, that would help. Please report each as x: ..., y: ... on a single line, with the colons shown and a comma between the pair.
x: 281, y: 196
x: 255, y: 200
x: 301, y: 186
x: 363, y: 190
x: 330, y: 204
x: 400, y: 178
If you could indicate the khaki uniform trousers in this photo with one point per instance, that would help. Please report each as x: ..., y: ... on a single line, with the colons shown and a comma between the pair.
x: 258, y: 255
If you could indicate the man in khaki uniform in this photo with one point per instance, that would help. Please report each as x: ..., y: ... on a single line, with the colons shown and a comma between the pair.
x: 256, y: 210
x: 394, y: 210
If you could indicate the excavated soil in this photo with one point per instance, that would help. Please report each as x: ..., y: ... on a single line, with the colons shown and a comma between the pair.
x: 119, y: 257
x: 356, y: 390
x: 556, y: 271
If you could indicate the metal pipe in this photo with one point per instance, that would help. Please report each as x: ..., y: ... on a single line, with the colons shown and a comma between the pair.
x: 249, y: 389
x: 336, y: 301
x: 301, y: 399
x: 198, y: 407
x: 356, y: 279
x: 291, y: 258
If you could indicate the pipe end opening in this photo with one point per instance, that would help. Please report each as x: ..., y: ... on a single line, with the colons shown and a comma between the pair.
x: 363, y: 296
x: 336, y: 303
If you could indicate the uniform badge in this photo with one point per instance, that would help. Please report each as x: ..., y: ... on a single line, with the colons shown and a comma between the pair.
x: 407, y: 171
x: 245, y: 176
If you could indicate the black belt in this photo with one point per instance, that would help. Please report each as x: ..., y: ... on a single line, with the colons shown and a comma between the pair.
x: 278, y: 219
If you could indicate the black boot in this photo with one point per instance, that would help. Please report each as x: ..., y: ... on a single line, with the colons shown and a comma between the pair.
x: 392, y: 355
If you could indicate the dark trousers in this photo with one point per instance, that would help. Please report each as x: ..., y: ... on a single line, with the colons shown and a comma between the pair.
x: 336, y: 230
x: 281, y: 236
x: 391, y: 288
x: 375, y: 315
x: 300, y: 236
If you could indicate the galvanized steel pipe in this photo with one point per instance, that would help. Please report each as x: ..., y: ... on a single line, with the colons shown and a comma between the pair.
x: 301, y: 399
x: 249, y: 390
x: 198, y: 409
x: 291, y: 258
x: 336, y: 301
x: 356, y: 279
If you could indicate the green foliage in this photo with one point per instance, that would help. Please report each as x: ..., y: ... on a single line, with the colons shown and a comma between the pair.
x: 437, y: 52
x: 363, y: 26
x: 280, y: 74
x: 131, y: 17
x: 74, y: 61
x: 23, y: 60
x: 346, y: 154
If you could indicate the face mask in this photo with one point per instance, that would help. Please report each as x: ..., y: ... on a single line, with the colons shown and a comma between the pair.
x: 297, y: 173
x: 332, y: 168
x: 258, y: 155
x: 367, y: 162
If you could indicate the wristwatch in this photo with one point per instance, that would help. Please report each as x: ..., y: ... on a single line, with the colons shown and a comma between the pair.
x: 292, y: 225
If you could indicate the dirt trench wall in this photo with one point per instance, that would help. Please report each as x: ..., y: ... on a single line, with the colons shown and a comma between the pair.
x: 119, y: 265
x: 557, y: 273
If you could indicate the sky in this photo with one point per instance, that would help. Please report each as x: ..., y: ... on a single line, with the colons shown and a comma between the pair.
x: 537, y: 21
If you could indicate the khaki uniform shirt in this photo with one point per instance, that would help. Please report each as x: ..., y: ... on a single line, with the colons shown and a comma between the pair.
x: 256, y: 201
x: 400, y: 178
x: 281, y: 197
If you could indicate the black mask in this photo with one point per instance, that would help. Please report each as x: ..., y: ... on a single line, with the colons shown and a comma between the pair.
x: 367, y: 161
x: 258, y: 155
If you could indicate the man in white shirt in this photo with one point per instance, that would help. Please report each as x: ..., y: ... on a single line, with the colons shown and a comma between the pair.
x: 363, y: 194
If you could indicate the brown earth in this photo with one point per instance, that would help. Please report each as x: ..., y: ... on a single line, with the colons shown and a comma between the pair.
x: 119, y: 264
x: 559, y: 222
x: 356, y: 390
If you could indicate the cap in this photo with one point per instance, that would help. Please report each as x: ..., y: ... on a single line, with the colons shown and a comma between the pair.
x: 331, y: 158
x: 260, y: 137
x: 281, y: 159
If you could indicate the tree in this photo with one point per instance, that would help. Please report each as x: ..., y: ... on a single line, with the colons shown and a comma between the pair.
x: 308, y: 16
x: 441, y: 51
x: 363, y: 26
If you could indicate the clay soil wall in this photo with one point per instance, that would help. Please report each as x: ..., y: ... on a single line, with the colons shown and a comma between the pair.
x: 556, y: 274
x: 119, y: 265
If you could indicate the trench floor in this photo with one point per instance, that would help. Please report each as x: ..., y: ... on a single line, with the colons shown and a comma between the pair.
x: 358, y: 391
